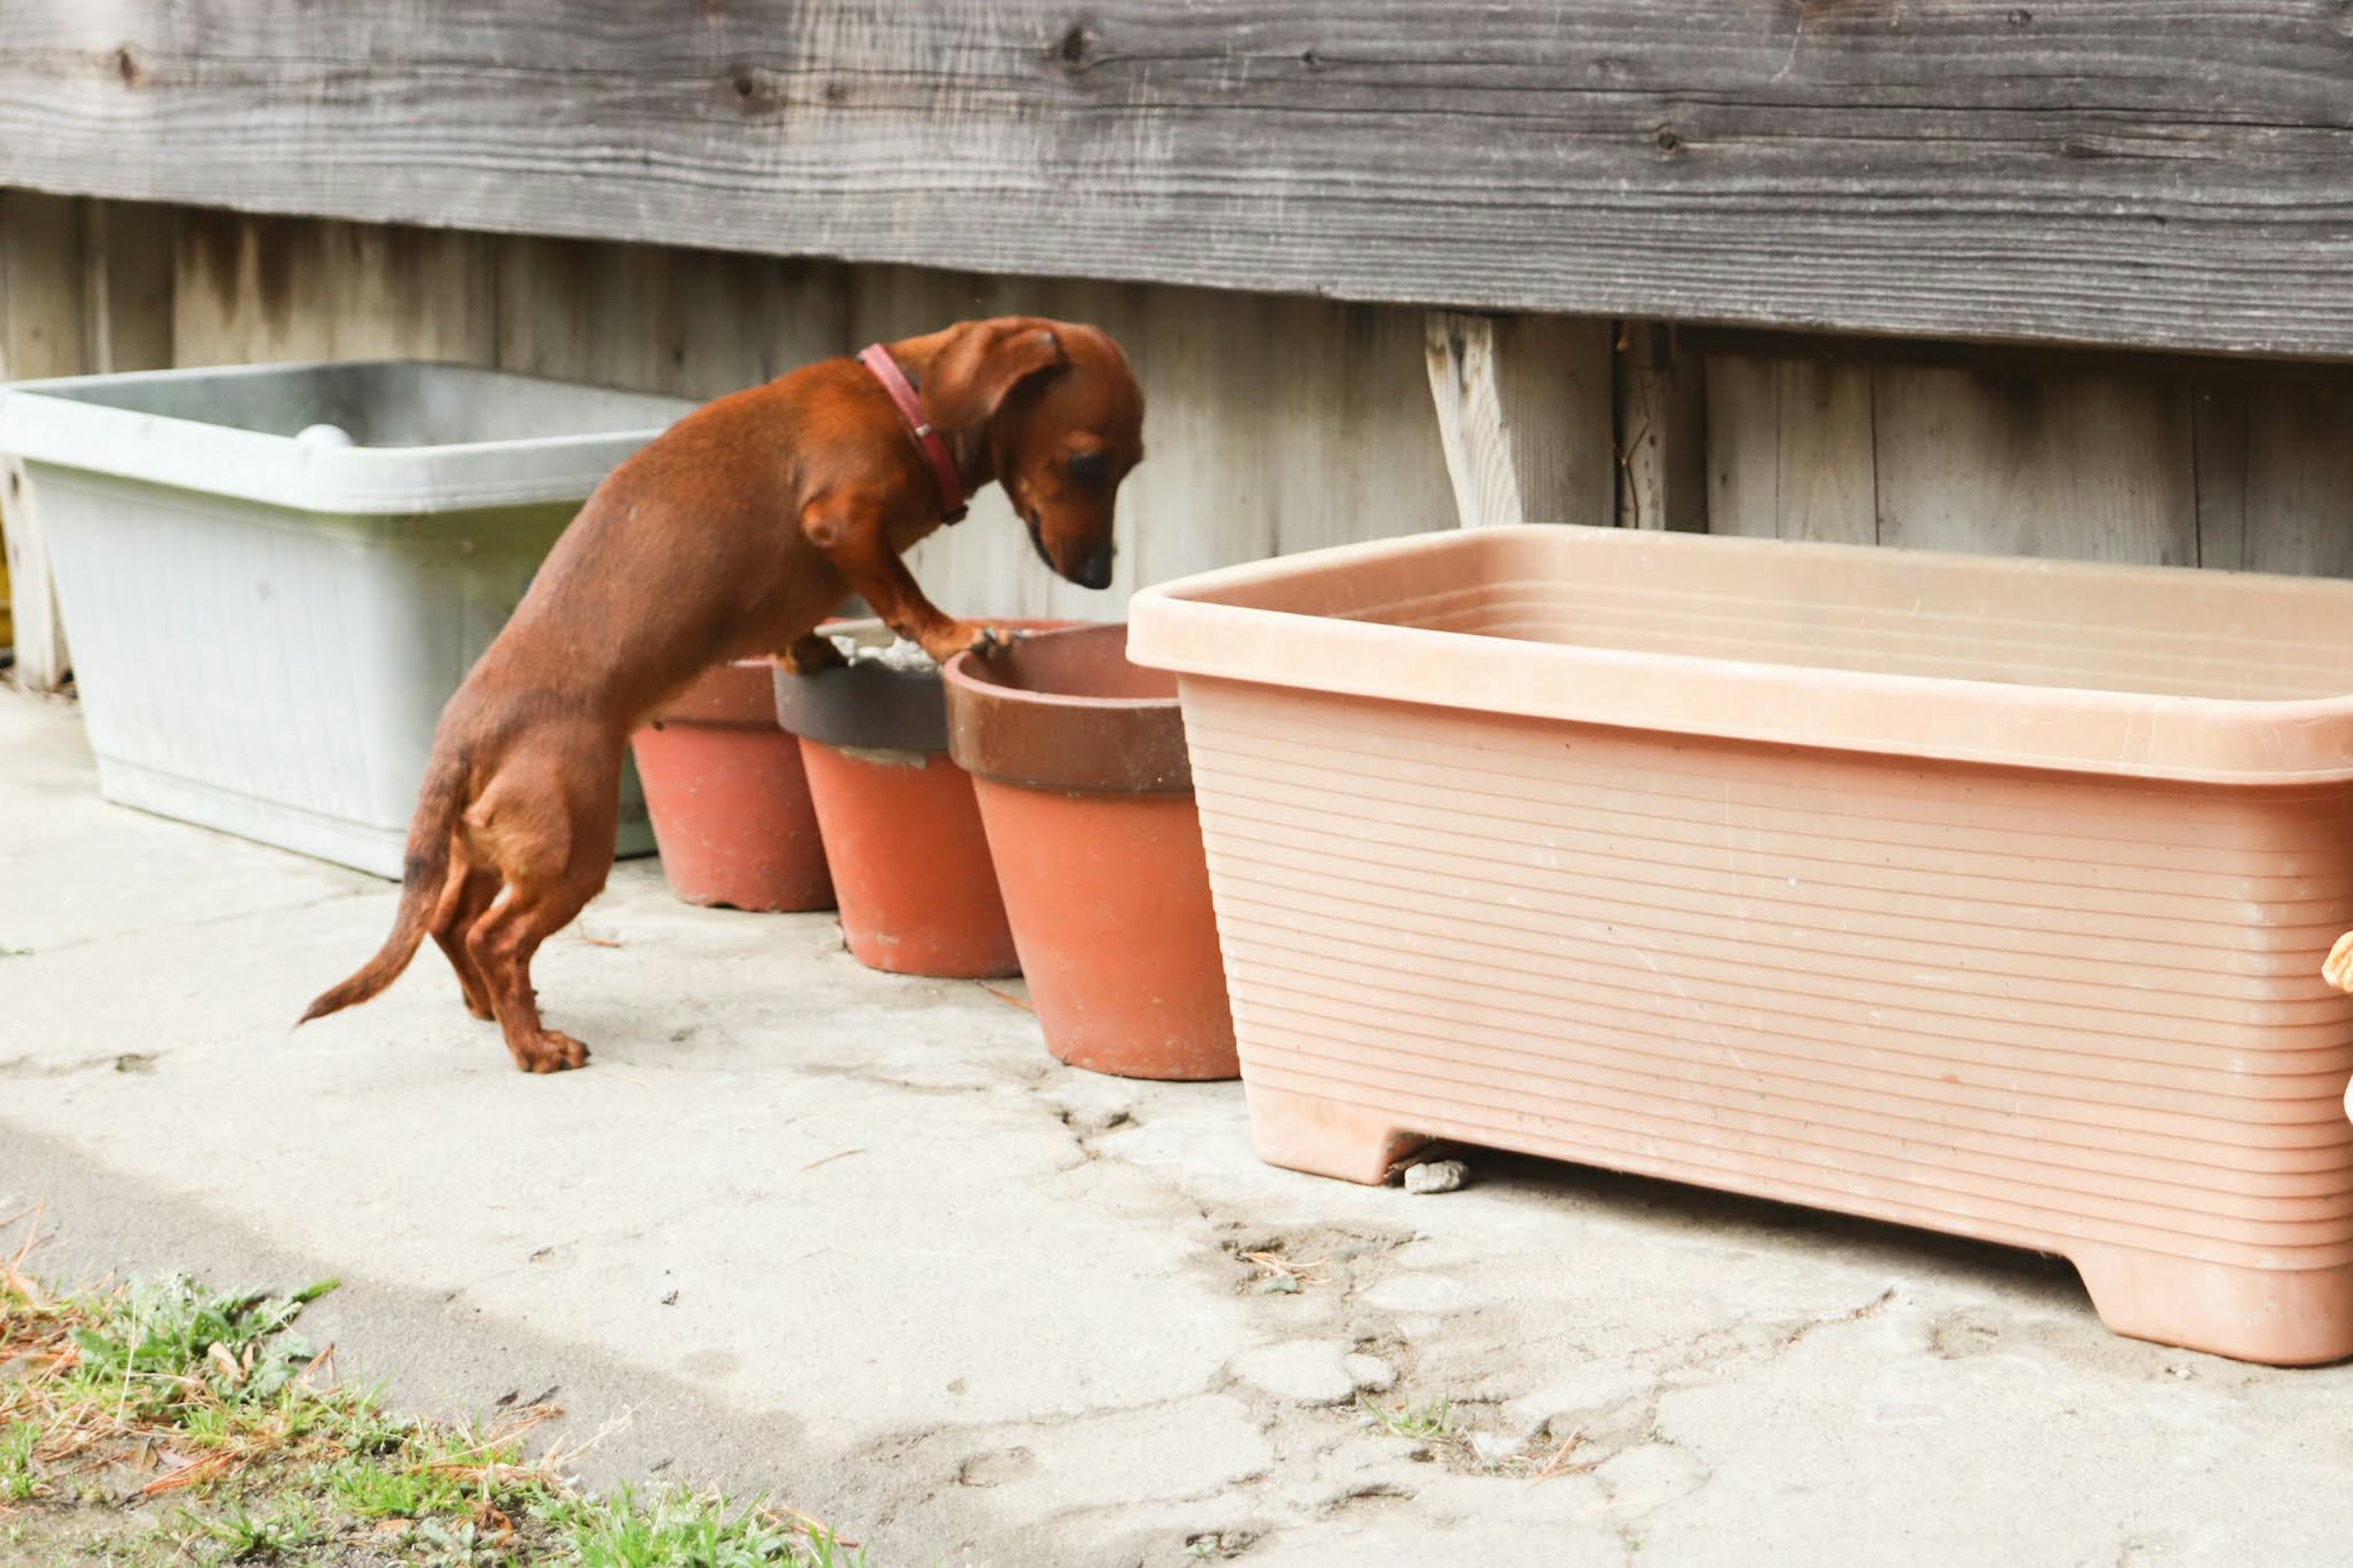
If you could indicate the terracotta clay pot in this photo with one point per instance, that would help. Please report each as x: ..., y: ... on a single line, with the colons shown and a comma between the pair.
x: 729, y: 800
x: 902, y: 833
x: 1079, y: 761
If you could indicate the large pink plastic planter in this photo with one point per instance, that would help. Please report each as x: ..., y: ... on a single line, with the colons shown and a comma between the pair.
x: 1983, y: 895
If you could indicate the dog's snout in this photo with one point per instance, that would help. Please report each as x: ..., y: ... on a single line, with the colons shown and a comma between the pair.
x: 1094, y: 572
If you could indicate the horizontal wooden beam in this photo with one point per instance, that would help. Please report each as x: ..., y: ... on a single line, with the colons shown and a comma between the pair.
x: 2172, y: 173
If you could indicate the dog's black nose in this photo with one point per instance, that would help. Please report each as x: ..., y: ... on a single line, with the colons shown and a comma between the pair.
x: 1094, y: 572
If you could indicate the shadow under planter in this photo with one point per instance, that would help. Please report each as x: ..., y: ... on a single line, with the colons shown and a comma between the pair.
x: 902, y: 835
x: 729, y: 798
x: 1078, y: 759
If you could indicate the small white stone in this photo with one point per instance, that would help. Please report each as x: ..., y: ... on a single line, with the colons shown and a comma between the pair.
x: 1372, y: 1374
x: 1436, y: 1177
x: 324, y: 436
x: 1495, y: 1447
x: 1304, y: 1371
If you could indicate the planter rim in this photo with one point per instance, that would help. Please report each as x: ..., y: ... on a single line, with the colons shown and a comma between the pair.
x: 873, y: 706
x: 740, y: 694
x: 1065, y: 740
x: 1337, y: 621
x: 96, y: 424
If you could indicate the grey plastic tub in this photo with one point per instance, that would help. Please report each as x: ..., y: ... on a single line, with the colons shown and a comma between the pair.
x: 265, y: 629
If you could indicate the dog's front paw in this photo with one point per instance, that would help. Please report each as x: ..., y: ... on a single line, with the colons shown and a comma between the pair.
x: 809, y: 655
x: 961, y: 636
x: 2339, y: 969
x: 550, y: 1050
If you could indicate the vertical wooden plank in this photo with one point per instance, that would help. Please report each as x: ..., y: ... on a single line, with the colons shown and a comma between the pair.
x: 395, y: 292
x: 1744, y: 445
x: 127, y: 285
x: 43, y: 324
x: 1355, y: 453
x: 585, y: 311
x: 1524, y: 417
x: 2219, y: 424
x: 256, y: 289
x: 1829, y: 464
x: 233, y: 290
x: 2094, y: 466
x: 44, y: 331
x: 749, y: 320
x: 695, y: 324
x: 1661, y: 431
x: 2299, y: 473
x: 1789, y: 448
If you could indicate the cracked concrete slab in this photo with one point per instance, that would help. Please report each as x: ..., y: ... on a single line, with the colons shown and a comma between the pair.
x: 858, y: 1240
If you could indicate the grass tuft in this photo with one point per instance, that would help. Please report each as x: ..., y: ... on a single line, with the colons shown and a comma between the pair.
x: 1416, y: 1423
x: 117, y: 1406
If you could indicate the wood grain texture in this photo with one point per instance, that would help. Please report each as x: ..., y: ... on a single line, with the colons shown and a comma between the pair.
x: 84, y: 288
x: 2299, y: 476
x: 127, y: 285
x: 251, y: 289
x: 1661, y: 440
x: 2169, y: 172
x: 2136, y: 458
x: 1524, y: 417
x: 44, y: 331
x: 1791, y: 449
x: 2092, y: 466
x: 2218, y: 433
x: 696, y: 323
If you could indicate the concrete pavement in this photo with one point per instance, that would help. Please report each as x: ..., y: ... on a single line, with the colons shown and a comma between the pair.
x: 858, y: 1240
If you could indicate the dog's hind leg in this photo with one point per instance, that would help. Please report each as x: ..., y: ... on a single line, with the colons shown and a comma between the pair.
x: 472, y: 889
x: 546, y: 821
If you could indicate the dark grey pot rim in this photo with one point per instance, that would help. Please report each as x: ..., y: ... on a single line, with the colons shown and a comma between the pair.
x: 871, y: 706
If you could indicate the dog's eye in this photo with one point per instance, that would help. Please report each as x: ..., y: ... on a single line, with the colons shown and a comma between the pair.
x: 1089, y: 467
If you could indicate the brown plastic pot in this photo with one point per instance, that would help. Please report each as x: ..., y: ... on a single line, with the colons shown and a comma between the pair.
x: 902, y: 834
x: 1078, y: 759
x: 728, y: 799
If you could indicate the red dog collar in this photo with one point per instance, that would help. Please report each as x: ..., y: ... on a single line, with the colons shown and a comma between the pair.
x: 877, y: 359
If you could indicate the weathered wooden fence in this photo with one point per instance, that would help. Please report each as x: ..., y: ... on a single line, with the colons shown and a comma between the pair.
x: 1859, y: 271
x: 2162, y: 172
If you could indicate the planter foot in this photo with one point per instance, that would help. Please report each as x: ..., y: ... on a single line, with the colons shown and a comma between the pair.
x: 2280, y: 1317
x: 1327, y: 1137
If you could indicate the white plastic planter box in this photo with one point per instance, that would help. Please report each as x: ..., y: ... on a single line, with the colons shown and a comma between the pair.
x: 264, y: 630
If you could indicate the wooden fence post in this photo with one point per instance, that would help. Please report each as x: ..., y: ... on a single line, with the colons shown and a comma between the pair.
x: 85, y: 286
x: 1524, y: 413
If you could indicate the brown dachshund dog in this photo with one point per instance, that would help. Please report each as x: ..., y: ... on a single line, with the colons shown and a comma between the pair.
x: 730, y: 536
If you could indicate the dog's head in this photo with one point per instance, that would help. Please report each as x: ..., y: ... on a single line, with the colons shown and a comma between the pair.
x: 1064, y: 422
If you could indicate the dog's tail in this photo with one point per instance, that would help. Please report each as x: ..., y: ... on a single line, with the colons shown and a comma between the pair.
x: 424, y: 870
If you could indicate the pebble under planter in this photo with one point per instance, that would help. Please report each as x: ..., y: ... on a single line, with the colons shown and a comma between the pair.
x: 729, y: 798
x: 1078, y: 758
x: 1983, y: 895
x: 902, y: 836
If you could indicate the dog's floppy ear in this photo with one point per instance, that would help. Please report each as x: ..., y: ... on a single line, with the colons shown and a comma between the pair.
x: 981, y: 366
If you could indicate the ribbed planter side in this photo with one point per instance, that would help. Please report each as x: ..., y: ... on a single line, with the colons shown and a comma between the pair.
x: 1629, y: 885
x: 729, y: 798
